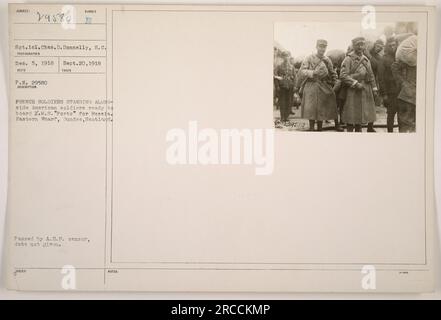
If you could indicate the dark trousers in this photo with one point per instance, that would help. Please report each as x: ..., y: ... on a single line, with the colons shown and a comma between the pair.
x: 392, y: 110
x: 285, y: 102
x: 340, y: 104
x: 406, y: 116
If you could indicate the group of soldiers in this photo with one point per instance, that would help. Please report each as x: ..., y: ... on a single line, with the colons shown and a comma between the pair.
x: 348, y: 92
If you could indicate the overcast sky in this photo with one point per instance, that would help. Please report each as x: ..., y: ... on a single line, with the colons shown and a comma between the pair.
x: 300, y: 37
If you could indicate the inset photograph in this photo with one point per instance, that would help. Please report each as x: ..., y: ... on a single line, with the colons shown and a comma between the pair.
x: 343, y: 77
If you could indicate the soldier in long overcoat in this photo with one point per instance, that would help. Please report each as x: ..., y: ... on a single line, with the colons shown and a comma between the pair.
x: 315, y: 82
x: 357, y: 75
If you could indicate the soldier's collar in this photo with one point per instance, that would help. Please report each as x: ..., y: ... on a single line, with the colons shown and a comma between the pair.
x: 318, y: 57
x: 354, y: 55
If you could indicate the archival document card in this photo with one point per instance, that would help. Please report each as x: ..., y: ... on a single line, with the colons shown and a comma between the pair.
x: 221, y: 148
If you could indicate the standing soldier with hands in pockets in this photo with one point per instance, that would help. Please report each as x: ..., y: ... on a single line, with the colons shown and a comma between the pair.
x: 388, y: 86
x: 285, y: 77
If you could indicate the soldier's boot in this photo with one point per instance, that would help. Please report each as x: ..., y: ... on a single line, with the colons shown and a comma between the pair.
x: 349, y: 127
x: 358, y: 128
x: 337, y: 126
x: 311, y: 125
x: 319, y: 125
x: 370, y: 127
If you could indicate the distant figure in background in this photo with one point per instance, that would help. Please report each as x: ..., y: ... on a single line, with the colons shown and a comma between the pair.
x: 343, y: 90
x: 376, y: 57
x: 388, y: 32
x: 293, y: 101
x: 315, y: 82
x: 285, y: 77
x: 376, y: 61
x: 275, y: 82
x: 387, y: 85
x: 337, y: 56
x: 356, y: 73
